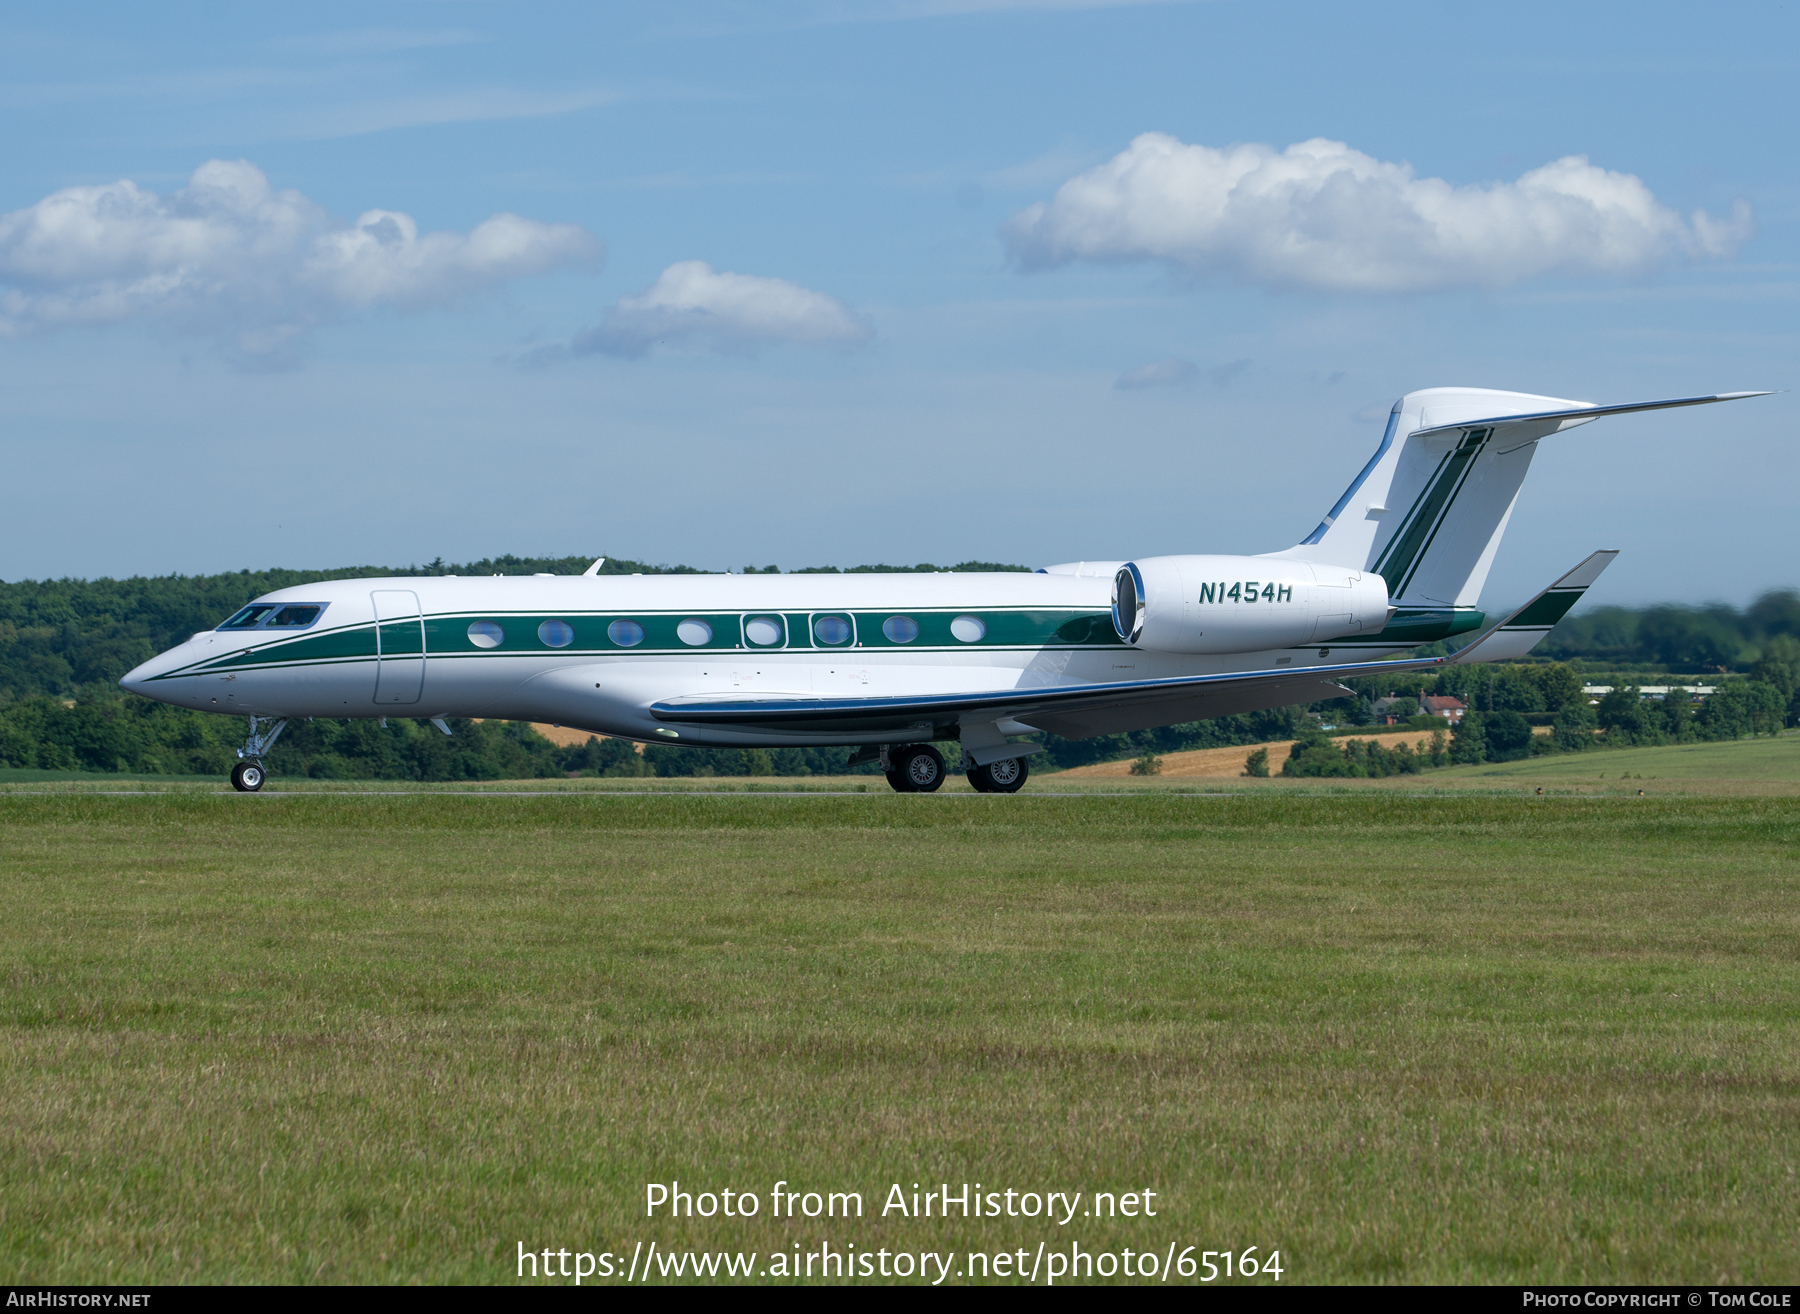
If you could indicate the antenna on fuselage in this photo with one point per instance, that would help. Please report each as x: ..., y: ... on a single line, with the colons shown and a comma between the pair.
x: 594, y: 569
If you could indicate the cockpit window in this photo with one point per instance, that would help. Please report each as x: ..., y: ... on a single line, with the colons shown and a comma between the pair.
x: 296, y: 617
x: 249, y: 617
x: 293, y: 616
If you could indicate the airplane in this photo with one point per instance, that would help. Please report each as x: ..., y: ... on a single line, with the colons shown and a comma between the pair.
x: 891, y: 663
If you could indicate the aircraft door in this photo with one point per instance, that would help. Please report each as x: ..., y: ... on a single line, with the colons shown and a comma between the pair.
x: 399, y: 647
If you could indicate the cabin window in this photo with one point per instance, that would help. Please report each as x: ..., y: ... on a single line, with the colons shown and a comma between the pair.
x: 969, y: 629
x: 693, y: 632
x: 900, y: 629
x: 556, y: 634
x: 254, y: 614
x: 295, y: 617
x: 486, y: 634
x: 764, y: 631
x: 832, y: 631
x: 627, y: 634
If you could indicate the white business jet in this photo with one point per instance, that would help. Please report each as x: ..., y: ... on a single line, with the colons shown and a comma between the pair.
x: 892, y: 662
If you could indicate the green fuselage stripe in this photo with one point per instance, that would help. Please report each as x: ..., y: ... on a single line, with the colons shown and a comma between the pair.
x: 447, y: 635
x: 1411, y: 545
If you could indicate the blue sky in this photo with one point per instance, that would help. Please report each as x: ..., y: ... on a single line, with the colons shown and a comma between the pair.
x: 775, y: 289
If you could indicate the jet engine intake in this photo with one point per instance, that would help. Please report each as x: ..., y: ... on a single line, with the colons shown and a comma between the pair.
x: 1207, y: 604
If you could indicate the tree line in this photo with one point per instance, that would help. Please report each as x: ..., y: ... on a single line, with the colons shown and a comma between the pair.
x: 1714, y: 639
x: 1506, y: 701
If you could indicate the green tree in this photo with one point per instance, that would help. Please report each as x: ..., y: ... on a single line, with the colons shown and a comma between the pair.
x: 1257, y: 764
x: 1625, y: 719
x: 1515, y: 689
x: 1314, y: 754
x: 1558, y: 686
x: 1676, y: 715
x: 605, y: 757
x: 1739, y: 708
x: 1468, y: 744
x: 1574, y: 727
x: 1779, y: 665
x: 1507, y: 735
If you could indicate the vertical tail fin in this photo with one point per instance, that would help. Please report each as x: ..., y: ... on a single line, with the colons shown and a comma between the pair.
x: 1428, y: 511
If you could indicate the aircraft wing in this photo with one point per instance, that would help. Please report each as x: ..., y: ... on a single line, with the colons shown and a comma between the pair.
x: 1079, y: 711
x: 1074, y: 711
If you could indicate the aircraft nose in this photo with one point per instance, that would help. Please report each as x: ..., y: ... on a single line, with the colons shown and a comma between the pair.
x: 137, y: 678
x: 141, y: 679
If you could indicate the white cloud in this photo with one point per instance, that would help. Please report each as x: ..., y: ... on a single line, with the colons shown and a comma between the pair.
x: 1320, y: 215
x: 1162, y: 374
x: 690, y: 303
x: 231, y: 256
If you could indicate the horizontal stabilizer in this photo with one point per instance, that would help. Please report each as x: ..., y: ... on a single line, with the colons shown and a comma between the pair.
x: 1522, y: 631
x: 1580, y: 414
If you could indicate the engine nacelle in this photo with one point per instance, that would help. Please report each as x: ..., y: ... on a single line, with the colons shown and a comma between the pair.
x: 1243, y: 604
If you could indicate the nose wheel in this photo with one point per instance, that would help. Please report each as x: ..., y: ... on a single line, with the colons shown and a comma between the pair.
x: 249, y: 774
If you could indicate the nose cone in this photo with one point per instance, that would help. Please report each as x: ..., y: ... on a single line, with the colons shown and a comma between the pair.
x: 137, y: 680
x: 142, y: 679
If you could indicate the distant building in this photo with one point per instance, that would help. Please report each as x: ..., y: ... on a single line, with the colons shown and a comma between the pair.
x: 1595, y: 692
x: 1384, y: 708
x: 1451, y: 709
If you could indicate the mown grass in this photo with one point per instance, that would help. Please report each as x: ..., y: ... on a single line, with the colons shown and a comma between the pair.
x: 1764, y: 765
x: 1398, y: 1039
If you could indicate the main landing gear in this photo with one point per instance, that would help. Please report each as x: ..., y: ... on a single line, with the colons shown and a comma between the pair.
x: 913, y: 768
x: 919, y: 769
x: 1002, y: 777
x: 249, y: 774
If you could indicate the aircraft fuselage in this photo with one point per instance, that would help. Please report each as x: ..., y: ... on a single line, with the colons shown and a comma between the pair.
x: 595, y: 652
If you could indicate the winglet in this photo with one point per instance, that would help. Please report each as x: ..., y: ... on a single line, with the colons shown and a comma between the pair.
x: 594, y: 569
x: 1522, y: 631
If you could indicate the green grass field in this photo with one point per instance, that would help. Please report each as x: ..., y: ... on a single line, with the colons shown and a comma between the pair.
x: 1397, y: 1039
x: 1766, y: 766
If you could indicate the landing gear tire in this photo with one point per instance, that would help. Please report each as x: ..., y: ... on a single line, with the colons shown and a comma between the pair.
x: 247, y: 777
x: 915, y: 769
x: 1002, y: 777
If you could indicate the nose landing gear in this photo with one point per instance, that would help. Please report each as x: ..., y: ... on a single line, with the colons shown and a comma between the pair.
x: 249, y: 774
